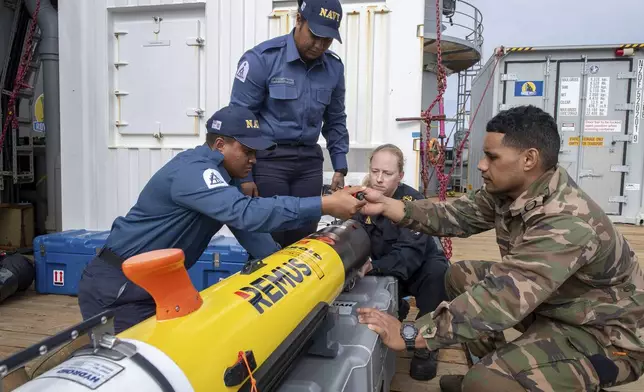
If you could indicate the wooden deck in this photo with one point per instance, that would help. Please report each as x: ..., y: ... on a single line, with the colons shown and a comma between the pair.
x: 28, y: 317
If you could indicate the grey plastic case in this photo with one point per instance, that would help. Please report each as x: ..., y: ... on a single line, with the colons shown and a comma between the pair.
x: 363, y: 362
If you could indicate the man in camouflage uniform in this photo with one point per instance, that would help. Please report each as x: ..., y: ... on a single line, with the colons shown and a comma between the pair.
x: 568, y: 279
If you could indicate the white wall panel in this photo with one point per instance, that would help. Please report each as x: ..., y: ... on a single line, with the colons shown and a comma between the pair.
x: 103, y: 171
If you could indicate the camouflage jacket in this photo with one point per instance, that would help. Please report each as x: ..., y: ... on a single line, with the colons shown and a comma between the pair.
x: 561, y: 258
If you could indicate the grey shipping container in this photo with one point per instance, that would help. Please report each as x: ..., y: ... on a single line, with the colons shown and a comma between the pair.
x: 363, y: 363
x: 595, y: 94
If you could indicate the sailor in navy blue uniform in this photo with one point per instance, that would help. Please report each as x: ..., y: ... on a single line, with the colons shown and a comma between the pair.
x: 186, y: 203
x: 414, y: 258
x: 296, y: 87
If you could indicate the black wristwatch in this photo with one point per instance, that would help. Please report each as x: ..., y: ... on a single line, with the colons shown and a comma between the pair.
x: 409, y: 333
x: 342, y: 171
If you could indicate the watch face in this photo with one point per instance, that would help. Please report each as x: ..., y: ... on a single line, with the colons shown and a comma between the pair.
x: 408, y: 332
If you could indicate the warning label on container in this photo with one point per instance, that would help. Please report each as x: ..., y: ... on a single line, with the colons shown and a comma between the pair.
x: 640, y: 74
x: 631, y: 187
x: 603, y: 126
x: 588, y: 141
x: 568, y: 127
x: 597, y: 97
x: 639, y: 111
x: 639, y: 101
x: 569, y: 96
x: 90, y: 372
x: 59, y: 278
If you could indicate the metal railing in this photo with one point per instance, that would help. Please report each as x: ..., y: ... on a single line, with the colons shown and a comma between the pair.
x: 461, y: 20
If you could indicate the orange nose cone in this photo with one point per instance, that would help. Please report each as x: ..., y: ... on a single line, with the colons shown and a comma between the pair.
x: 163, y: 275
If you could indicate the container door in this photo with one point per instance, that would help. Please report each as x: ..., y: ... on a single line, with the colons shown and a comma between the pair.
x: 529, y: 83
x: 592, y: 122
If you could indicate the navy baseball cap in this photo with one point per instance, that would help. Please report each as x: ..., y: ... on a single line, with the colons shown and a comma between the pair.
x: 240, y: 124
x: 324, y: 17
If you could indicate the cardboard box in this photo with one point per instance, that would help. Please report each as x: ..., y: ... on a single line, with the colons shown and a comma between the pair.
x: 16, y: 226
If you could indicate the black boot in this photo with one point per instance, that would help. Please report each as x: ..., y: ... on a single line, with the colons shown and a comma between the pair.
x: 451, y: 383
x: 403, y: 309
x: 423, y: 365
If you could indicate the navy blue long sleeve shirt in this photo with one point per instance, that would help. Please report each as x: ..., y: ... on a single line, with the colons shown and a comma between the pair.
x: 188, y: 201
x: 294, y: 101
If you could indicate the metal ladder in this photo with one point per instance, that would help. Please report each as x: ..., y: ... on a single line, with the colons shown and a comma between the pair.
x: 463, y: 112
x: 16, y: 171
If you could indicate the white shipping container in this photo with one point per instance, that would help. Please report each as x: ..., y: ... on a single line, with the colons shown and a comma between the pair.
x: 139, y: 78
x: 595, y: 95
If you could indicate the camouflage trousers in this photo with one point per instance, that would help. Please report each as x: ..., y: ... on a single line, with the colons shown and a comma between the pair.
x: 548, y: 356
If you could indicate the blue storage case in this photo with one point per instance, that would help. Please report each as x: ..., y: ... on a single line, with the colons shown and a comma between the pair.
x: 223, y: 257
x: 60, y: 259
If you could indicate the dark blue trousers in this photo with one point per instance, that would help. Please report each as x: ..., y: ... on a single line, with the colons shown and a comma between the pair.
x: 103, y: 287
x: 290, y: 171
x: 427, y: 286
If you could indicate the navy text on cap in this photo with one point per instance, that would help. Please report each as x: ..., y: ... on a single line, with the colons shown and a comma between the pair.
x: 324, y: 17
x: 240, y: 124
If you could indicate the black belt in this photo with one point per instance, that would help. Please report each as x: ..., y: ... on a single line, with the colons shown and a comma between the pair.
x: 294, y: 144
x: 111, y: 258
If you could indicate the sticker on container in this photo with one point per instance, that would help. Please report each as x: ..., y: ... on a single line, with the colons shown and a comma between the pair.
x: 528, y: 88
x: 639, y: 102
x: 613, y: 126
x: 39, y: 114
x: 59, y: 278
x: 89, y: 372
x: 597, y: 97
x: 631, y: 187
x: 588, y: 141
x: 569, y: 96
x: 150, y: 44
x: 637, y: 118
x: 568, y: 127
x: 344, y: 307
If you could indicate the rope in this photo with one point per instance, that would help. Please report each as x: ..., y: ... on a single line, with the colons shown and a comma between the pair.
x: 441, y: 78
x: 253, y: 382
x: 428, y: 146
x: 19, y: 84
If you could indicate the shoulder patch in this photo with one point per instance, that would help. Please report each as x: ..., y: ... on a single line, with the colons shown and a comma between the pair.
x: 213, y: 179
x: 409, y: 193
x: 242, y: 71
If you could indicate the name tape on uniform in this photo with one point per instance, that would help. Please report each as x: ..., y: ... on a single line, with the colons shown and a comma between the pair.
x: 213, y: 179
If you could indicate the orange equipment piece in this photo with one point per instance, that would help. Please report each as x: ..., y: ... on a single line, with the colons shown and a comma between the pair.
x: 156, y: 271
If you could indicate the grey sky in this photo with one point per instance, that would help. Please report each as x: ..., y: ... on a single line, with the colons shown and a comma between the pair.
x: 571, y: 22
